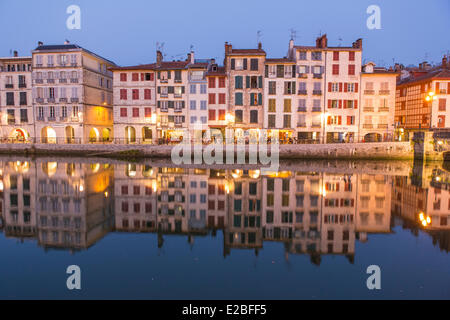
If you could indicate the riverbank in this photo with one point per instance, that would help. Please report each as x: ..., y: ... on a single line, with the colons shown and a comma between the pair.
x: 345, y: 151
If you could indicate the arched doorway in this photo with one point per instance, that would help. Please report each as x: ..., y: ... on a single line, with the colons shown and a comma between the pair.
x: 130, y: 135
x: 106, y: 134
x: 373, y: 137
x: 19, y: 135
x: 94, y: 135
x: 70, y: 134
x: 147, y: 135
x: 48, y: 135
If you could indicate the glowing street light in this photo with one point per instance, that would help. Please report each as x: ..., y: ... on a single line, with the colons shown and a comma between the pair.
x: 424, y: 220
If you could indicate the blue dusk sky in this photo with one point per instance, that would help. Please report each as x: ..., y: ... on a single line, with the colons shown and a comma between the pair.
x: 127, y: 31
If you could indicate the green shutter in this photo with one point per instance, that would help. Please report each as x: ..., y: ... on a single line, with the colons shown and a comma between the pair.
x: 232, y: 64
x: 260, y: 85
x: 293, y: 87
x: 259, y: 98
x: 247, y: 81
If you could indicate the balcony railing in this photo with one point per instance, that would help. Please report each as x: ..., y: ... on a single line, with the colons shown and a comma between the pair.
x: 62, y: 99
x: 51, y: 100
x: 74, y: 119
x: 50, y: 80
x: 317, y: 92
x: 301, y: 109
x: 39, y: 81
x: 62, y: 80
x: 22, y: 85
x: 383, y: 109
x: 317, y: 76
x: 316, y: 125
x: 51, y: 118
x: 368, y: 109
x: 301, y: 124
x: 63, y: 119
x: 164, y: 95
x: 302, y: 92
x: 302, y: 75
x: 369, y: 91
x: 383, y: 92
x: 382, y: 126
x: 40, y: 118
x: 74, y: 99
x: 74, y: 80
x: 367, y: 125
x: 316, y: 109
x: 40, y: 100
x: 9, y: 86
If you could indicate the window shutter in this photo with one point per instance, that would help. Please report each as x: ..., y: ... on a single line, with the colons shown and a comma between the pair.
x: 142, y: 77
x: 329, y: 120
x: 56, y: 93
x: 182, y: 89
x: 356, y: 87
x: 353, y: 202
x: 329, y: 103
x: 329, y: 86
x: 247, y: 81
x: 345, y: 104
x: 340, y: 104
x: 448, y: 88
x: 293, y: 87
x: 340, y: 86
x: 266, y: 71
x: 356, y: 104
x: 259, y: 99
x: 340, y: 122
x: 307, y: 69
x: 159, y: 104
x: 245, y: 64
x: 260, y: 82
x: 293, y: 71
x: 159, y: 74
x: 345, y: 87
x: 168, y: 74
x: 321, y: 69
x: 251, y: 99
x: 232, y: 64
x: 159, y: 89
x: 437, y: 88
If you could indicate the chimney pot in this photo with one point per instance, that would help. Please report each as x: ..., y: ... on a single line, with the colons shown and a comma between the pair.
x: 259, y: 45
x: 159, y: 57
x: 40, y: 43
x: 16, y: 54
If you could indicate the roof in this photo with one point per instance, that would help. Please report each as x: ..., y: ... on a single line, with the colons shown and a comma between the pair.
x: 70, y: 46
x: 439, y: 73
x: 164, y: 65
x: 247, y: 52
x: 279, y: 60
x: 219, y: 72
x: 327, y: 48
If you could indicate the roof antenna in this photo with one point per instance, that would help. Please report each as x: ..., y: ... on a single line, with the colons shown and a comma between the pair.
x: 258, y: 36
x: 191, y: 48
x: 340, y: 41
x: 293, y: 34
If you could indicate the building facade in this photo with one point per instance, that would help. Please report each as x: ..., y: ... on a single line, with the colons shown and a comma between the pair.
x: 16, y: 107
x: 72, y: 94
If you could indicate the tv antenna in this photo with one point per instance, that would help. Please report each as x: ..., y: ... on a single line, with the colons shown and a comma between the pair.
x: 340, y: 41
x: 258, y: 36
x: 293, y: 34
x: 191, y: 48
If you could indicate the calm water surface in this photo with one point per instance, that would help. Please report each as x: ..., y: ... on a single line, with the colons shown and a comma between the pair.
x: 145, y: 230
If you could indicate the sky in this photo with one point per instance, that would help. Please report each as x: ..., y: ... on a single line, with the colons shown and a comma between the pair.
x: 127, y: 32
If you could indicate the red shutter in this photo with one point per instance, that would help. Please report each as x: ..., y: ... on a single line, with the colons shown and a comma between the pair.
x: 142, y: 77
x: 353, y: 202
x: 329, y: 120
x: 340, y: 86
x: 342, y: 203
x: 337, y: 184
x: 148, y: 112
x: 356, y: 87
x: 152, y: 76
x: 340, y: 104
x: 349, y: 120
x: 356, y: 104
x: 329, y: 103
x: 329, y: 86
x: 437, y: 87
x: 448, y: 91
x: 212, y: 97
x: 340, y: 120
x: 345, y: 104
x: 345, y: 87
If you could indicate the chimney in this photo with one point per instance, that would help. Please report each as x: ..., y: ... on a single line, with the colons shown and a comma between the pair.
x: 259, y: 46
x: 322, y: 41
x: 444, y: 62
x: 40, y: 43
x: 191, y: 57
x: 16, y: 54
x: 291, y: 49
x: 159, y: 57
x: 228, y: 48
x: 357, y: 44
x: 66, y: 42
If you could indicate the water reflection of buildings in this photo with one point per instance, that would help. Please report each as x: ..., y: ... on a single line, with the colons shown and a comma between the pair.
x: 73, y: 205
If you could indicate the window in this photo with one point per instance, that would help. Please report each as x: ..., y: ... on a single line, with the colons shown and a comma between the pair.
x: 23, y: 98
x: 203, y: 88
x: 287, y: 105
x: 123, y: 112
x: 272, y: 87
x: 316, y: 55
x: 271, y: 120
x: 193, y: 89
x: 222, y: 115
x: 212, y: 115
x: 203, y: 105
x: 10, y: 98
x: 212, y: 98
x: 254, y: 64
x: 193, y: 105
x: 135, y: 77
x: 272, y: 105
x: 336, y: 56
x: 222, y: 98
x: 135, y: 112
x: 442, y: 105
x: 238, y: 82
x: 302, y: 55
x: 238, y: 99
x: 351, y: 69
x: 221, y: 82
x: 123, y: 77
x: 123, y: 94
x: 335, y: 69
x: 211, y: 82
x: 135, y: 93
x: 253, y: 116
x: 238, y: 116
x: 351, y: 56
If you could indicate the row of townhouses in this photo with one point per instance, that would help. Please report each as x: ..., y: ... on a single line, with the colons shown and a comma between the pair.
x: 315, y: 94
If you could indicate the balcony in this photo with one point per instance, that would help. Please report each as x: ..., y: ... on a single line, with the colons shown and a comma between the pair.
x: 62, y: 80
x: 177, y: 95
x: 23, y: 102
x: 383, y: 92
x: 50, y: 65
x: 368, y: 109
x: 22, y: 85
x: 367, y: 126
x: 74, y: 99
x: 40, y: 100
x: 40, y: 118
x: 51, y: 100
x: 369, y: 91
x: 177, y: 80
x: 302, y: 92
x: 164, y: 95
x: 73, y: 64
x: 74, y: 119
x: 51, y: 118
x: 317, y: 92
x: 11, y: 121
x: 301, y: 109
x: 50, y: 80
x: 9, y: 86
x: 383, y: 109
x: 301, y: 124
x: 315, y: 125
x: 163, y: 80
x: 442, y: 91
x: 382, y: 126
x: 317, y: 76
x: 62, y: 99
x: 39, y: 81
x: 74, y: 80
x: 303, y: 75
x: 316, y: 109
x: 62, y: 119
